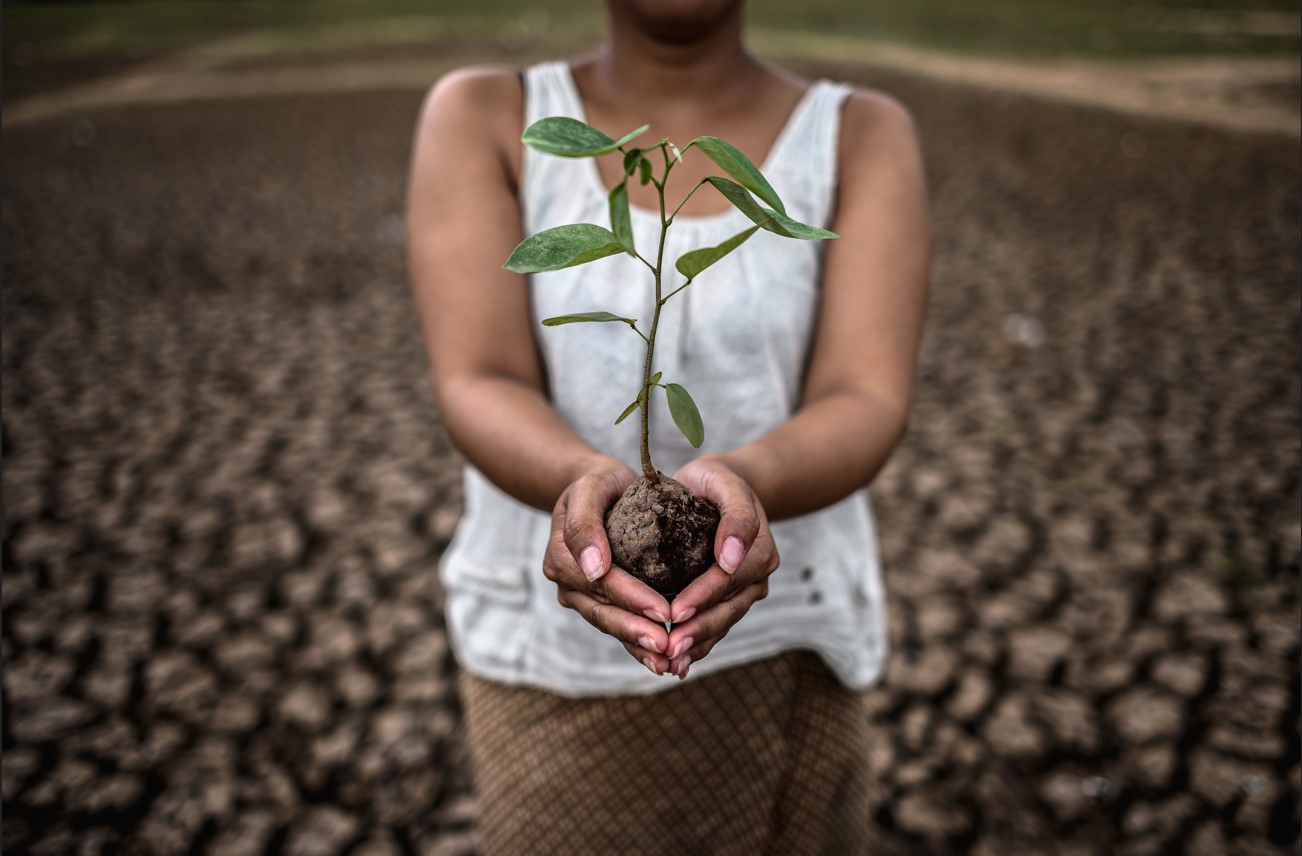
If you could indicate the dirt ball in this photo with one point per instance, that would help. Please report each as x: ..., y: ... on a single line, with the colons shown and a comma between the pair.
x: 662, y: 533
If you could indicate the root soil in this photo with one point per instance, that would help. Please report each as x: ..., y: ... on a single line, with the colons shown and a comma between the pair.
x: 662, y: 533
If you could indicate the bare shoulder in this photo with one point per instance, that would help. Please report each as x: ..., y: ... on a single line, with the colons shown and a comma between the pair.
x: 479, y: 92
x: 874, y: 123
x: 478, y: 104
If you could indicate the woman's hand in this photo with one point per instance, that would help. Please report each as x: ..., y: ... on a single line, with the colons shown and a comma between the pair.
x: 578, y: 561
x: 745, y: 556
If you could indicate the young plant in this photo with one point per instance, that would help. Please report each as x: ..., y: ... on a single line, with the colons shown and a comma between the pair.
x: 658, y: 530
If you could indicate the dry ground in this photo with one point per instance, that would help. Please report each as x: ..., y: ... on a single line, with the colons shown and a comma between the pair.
x: 226, y: 489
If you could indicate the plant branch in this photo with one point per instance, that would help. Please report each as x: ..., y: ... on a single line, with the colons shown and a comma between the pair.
x: 648, y: 468
x: 687, y: 197
x: 665, y: 299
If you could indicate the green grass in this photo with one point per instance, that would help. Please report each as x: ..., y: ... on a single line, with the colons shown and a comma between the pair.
x: 44, y: 41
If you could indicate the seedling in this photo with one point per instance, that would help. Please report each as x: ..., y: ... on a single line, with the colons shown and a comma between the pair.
x: 658, y: 530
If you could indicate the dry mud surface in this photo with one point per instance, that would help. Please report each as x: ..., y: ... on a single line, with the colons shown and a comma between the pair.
x: 226, y: 490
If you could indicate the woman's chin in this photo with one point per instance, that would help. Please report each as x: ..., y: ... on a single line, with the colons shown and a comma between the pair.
x: 675, y: 20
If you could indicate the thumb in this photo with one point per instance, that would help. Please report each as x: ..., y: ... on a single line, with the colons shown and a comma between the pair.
x: 739, y: 514
x: 737, y: 530
x: 584, y: 527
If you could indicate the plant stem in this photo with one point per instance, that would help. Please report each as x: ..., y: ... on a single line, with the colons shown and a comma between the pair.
x: 685, y: 198
x: 665, y: 299
x: 648, y: 469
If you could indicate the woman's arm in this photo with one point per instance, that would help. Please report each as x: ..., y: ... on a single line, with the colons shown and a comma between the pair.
x: 858, y: 384
x: 463, y: 221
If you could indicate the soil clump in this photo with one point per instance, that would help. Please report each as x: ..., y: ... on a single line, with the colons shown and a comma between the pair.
x: 662, y: 533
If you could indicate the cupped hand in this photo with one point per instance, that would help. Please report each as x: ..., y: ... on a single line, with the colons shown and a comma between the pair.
x: 745, y: 556
x: 578, y: 561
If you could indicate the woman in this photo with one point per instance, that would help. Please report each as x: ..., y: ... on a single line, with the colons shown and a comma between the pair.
x: 801, y: 356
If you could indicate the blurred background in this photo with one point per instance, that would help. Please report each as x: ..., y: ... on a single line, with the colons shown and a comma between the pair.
x: 226, y: 487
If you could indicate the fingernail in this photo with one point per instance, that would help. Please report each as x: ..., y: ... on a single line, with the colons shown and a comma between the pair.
x: 655, y: 615
x: 650, y: 644
x: 687, y: 613
x: 590, y: 563
x: 682, y: 668
x: 650, y: 664
x: 733, y: 553
x: 682, y: 646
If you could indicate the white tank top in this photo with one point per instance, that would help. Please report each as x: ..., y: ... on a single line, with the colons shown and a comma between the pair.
x: 737, y: 340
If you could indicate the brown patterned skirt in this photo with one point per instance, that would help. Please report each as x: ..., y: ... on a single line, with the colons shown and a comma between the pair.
x: 770, y: 757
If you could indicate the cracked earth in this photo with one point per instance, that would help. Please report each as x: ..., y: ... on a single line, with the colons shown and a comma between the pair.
x: 226, y: 489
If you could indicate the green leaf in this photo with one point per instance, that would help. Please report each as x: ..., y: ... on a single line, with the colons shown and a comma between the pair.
x: 655, y: 379
x: 628, y: 411
x: 644, y: 166
x: 686, y: 416
x: 691, y: 264
x: 781, y: 224
x: 631, y: 135
x: 580, y: 317
x: 630, y: 160
x: 570, y: 138
x: 737, y: 195
x: 619, y: 218
x: 766, y: 218
x: 739, y: 167
x: 562, y: 247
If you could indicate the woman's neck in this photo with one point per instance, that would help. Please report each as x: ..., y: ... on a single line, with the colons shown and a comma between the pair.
x: 668, y: 64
